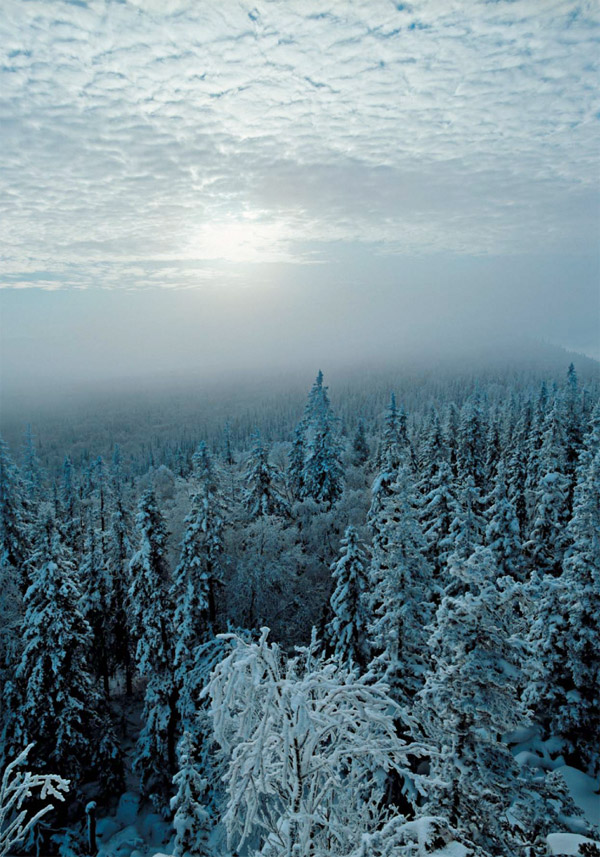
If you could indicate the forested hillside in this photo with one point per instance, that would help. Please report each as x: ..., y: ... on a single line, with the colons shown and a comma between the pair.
x: 364, y: 625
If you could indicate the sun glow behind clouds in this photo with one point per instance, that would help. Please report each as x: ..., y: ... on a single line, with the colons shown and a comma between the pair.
x: 246, y: 239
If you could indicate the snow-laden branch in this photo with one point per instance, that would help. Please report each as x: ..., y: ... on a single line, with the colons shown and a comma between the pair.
x: 15, y: 789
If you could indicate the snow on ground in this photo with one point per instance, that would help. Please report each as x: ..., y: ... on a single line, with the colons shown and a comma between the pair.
x: 584, y: 791
x: 566, y: 844
x: 453, y: 849
x: 133, y: 831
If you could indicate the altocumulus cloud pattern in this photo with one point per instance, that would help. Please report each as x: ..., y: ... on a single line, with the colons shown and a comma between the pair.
x: 144, y: 139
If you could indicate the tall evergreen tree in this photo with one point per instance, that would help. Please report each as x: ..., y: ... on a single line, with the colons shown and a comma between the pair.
x: 470, y: 699
x: 31, y: 468
x: 295, y: 471
x: 262, y: 496
x: 533, y: 450
x: 502, y: 532
x: 471, y: 442
x: 360, y: 447
x: 438, y: 512
x: 96, y: 589
x: 434, y: 450
x: 516, y: 468
x: 573, y: 416
x: 119, y: 550
x: 547, y: 538
x: 60, y: 708
x: 211, y: 520
x: 401, y: 589
x: 70, y: 507
x: 190, y: 818
x: 322, y: 472
x: 565, y: 638
x: 151, y: 616
x: 14, y: 541
x: 347, y: 632
x: 394, y: 439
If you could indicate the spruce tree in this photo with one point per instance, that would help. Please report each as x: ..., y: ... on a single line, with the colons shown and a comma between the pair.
x: 466, y: 534
x: 96, y: 588
x: 295, y: 470
x: 190, y: 818
x: 191, y: 596
x: 471, y: 442
x: 60, y: 708
x: 401, y: 589
x: 502, y: 532
x: 469, y: 701
x: 262, y: 496
x: 438, y: 512
x: 547, y: 538
x: 31, y: 468
x: 360, y: 447
x: 434, y: 451
x: 69, y: 507
x: 322, y: 472
x: 14, y: 540
x: 151, y: 616
x: 347, y: 632
x: 210, y: 516
x: 394, y: 441
x: 564, y: 686
x: 119, y: 550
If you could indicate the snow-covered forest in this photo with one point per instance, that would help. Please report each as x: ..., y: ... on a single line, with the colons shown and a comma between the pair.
x: 364, y: 625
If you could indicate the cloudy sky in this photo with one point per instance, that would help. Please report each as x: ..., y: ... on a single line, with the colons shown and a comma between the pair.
x: 180, y: 176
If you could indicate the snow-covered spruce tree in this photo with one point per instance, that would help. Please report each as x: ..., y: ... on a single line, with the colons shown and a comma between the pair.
x: 547, y: 539
x: 16, y: 789
x: 196, y: 720
x: 69, y: 507
x: 471, y: 442
x: 360, y: 447
x: 308, y: 745
x: 322, y: 472
x: 323, y: 469
x: 60, y: 708
x: 14, y: 580
x: 451, y: 425
x: 564, y: 686
x: 261, y: 495
x: 469, y: 700
x: 96, y: 588
x: 516, y: 467
x: 210, y: 517
x: 31, y: 468
x: 494, y: 450
x: 119, y: 550
x: 533, y: 449
x: 467, y: 532
x: 502, y: 532
x: 347, y: 632
x: 190, y: 594
x: 438, y: 511
x: 190, y: 819
x: 14, y: 541
x: 151, y: 618
x: 295, y: 479
x: 573, y: 417
x: 401, y: 588
x: 433, y: 451
x: 228, y: 456
x: 394, y: 439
